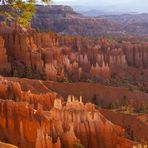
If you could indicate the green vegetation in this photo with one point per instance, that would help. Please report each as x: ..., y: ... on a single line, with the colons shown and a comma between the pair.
x: 15, y: 73
x: 129, y: 108
x: 78, y: 145
x: 144, y: 108
x: 18, y: 12
x: 32, y: 73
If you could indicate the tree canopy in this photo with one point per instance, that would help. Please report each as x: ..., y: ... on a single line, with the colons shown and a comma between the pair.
x: 18, y: 12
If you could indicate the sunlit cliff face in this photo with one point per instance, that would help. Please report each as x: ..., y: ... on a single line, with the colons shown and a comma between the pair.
x: 61, y: 125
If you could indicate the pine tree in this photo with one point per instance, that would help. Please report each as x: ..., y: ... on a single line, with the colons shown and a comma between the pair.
x: 18, y: 12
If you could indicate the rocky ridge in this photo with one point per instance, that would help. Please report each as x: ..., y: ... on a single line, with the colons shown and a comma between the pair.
x: 63, y: 19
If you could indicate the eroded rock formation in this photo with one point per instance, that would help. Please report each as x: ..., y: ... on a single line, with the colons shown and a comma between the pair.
x: 137, y: 55
x: 64, y: 58
x: 5, y: 66
x: 68, y: 124
x: 72, y: 126
x: 12, y: 91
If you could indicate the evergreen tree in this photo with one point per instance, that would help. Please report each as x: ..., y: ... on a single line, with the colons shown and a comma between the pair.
x: 18, y: 12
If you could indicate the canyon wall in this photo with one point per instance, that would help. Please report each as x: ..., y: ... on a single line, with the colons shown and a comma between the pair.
x: 64, y: 20
x: 64, y: 58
